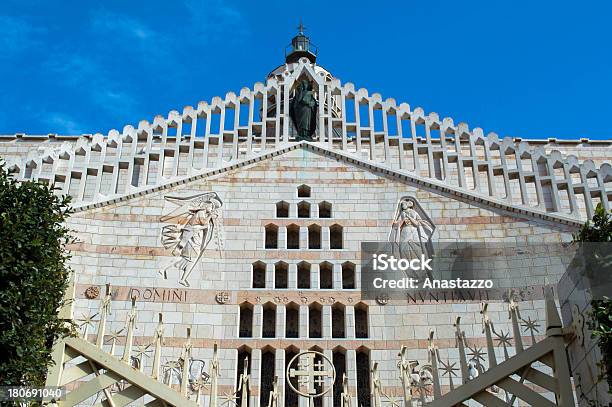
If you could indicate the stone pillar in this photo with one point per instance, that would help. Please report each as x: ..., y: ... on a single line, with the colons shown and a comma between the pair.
x: 314, y: 276
x: 357, y: 276
x: 270, y: 275
x: 282, y: 237
x: 328, y: 399
x: 325, y: 238
x: 326, y: 321
x: 280, y: 320
x: 257, y: 320
x: 303, y: 237
x: 280, y: 372
x: 292, y: 277
x: 255, y: 376
x: 337, y: 276
x: 303, y: 331
x: 350, y: 322
x: 351, y: 373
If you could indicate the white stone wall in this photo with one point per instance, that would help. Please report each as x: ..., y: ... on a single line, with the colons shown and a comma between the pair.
x: 120, y: 243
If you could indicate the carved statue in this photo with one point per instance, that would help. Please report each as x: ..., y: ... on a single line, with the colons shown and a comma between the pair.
x: 198, y: 221
x: 303, y: 110
x: 411, y: 230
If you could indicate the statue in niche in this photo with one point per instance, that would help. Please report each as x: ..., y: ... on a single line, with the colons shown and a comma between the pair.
x: 197, y: 219
x: 303, y: 111
x: 411, y: 231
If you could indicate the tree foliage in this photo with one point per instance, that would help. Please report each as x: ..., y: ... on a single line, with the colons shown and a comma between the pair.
x: 600, y: 230
x: 33, y: 277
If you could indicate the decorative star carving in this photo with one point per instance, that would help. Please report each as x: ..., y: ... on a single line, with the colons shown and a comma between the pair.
x: 142, y: 350
x: 393, y: 401
x: 229, y: 398
x: 476, y: 354
x: 530, y: 325
x: 87, y: 320
x: 503, y: 338
x: 113, y: 336
x: 448, y: 368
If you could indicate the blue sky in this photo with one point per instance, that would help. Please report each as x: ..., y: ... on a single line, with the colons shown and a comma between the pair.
x: 532, y: 69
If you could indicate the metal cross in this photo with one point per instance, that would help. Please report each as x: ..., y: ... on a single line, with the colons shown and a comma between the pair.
x: 313, y: 377
x: 301, y: 27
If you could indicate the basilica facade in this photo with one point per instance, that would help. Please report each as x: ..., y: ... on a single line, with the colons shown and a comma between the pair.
x: 241, y: 220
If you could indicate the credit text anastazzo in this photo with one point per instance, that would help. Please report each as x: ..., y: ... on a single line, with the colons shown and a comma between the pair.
x: 409, y: 283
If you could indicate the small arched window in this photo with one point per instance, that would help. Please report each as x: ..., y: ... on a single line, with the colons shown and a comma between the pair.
x: 303, y: 275
x: 326, y: 275
x: 314, y: 237
x: 293, y: 237
x: 325, y: 210
x: 280, y: 274
x: 271, y: 236
x: 303, y: 191
x: 361, y: 321
x: 335, y: 237
x: 269, y: 321
x: 259, y: 275
x: 282, y: 209
x: 348, y: 275
x: 303, y: 209
x: 246, y: 320
x: 338, y: 321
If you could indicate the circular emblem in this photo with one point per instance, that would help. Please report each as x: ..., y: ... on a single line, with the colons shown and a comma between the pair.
x: 92, y: 292
x: 382, y: 299
x: 312, y: 369
x: 222, y: 297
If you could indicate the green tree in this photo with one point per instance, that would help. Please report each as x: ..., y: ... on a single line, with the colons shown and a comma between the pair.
x: 33, y: 278
x: 600, y: 230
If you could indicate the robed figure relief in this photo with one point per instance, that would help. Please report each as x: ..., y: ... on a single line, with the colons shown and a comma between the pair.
x: 197, y: 220
x: 411, y: 232
x: 303, y: 111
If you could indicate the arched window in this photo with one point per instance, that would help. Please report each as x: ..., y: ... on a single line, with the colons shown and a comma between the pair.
x: 303, y: 191
x: 335, y: 237
x: 315, y: 328
x: 246, y: 320
x: 361, y: 321
x: 348, y: 275
x: 339, y: 361
x: 268, y: 364
x: 314, y: 237
x: 244, y: 359
x: 292, y: 320
x: 282, y: 209
x: 269, y: 321
x: 326, y: 275
x: 363, y: 377
x: 325, y: 210
x: 271, y: 236
x: 293, y: 237
x: 303, y: 209
x: 281, y: 271
x: 303, y: 275
x: 338, y: 321
x: 259, y: 274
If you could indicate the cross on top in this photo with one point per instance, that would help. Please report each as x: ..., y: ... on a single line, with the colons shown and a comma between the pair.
x: 301, y: 27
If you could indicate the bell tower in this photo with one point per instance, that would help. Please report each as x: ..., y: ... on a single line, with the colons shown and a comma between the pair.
x: 300, y: 47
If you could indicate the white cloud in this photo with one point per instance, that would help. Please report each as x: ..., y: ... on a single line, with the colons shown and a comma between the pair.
x: 114, y: 24
x: 62, y: 124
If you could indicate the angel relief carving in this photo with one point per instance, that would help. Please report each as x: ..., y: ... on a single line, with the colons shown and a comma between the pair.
x: 195, y: 222
x: 411, y: 230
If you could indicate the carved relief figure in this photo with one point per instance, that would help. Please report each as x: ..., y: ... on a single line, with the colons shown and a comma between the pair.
x: 411, y: 230
x: 198, y: 222
x: 303, y: 110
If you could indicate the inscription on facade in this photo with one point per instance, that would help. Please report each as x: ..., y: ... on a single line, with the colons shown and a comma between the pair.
x: 159, y: 294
